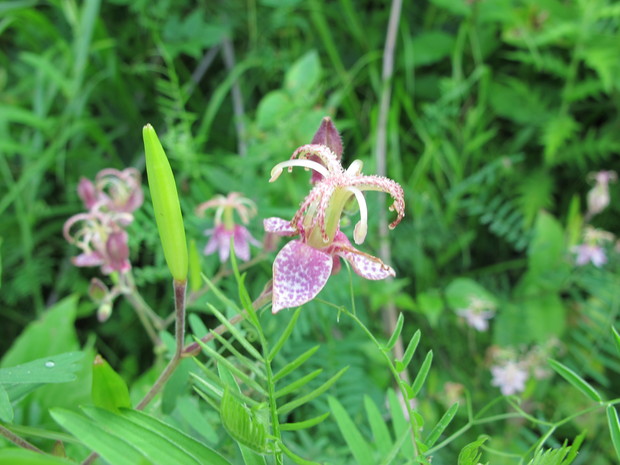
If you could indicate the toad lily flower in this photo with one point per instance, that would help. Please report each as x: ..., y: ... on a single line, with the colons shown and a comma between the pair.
x: 225, y: 226
x: 302, y: 267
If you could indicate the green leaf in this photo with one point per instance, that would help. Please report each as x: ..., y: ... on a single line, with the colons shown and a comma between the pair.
x: 304, y: 424
x: 284, y: 409
x: 242, y: 425
x: 399, y: 422
x: 441, y: 425
x: 304, y: 74
x: 156, y: 446
x: 616, y: 337
x: 198, y: 450
x: 357, y: 445
x: 297, y: 384
x: 431, y: 305
x: 291, y: 366
x: 284, y: 336
x: 109, y: 390
x: 6, y: 409
x: 396, y: 333
x: 430, y: 47
x: 556, y: 133
x: 380, y: 431
x: 460, y: 292
x: 614, y: 428
x: 409, y: 351
x: 274, y: 107
x: 418, y: 382
x: 27, y: 457
x: 470, y: 454
x: 54, y: 369
x: 115, y: 450
x: 576, y: 380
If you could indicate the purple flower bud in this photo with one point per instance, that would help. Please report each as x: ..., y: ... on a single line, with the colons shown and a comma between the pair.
x: 326, y: 135
x: 117, y: 253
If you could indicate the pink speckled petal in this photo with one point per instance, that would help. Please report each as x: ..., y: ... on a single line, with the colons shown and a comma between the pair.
x: 299, y: 274
x: 363, y: 264
x: 279, y: 226
x: 88, y: 259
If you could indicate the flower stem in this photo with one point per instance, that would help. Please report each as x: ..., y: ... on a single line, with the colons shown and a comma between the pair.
x: 15, y: 439
x: 179, y: 335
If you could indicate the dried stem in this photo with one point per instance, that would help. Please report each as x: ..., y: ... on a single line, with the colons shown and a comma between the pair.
x: 18, y: 441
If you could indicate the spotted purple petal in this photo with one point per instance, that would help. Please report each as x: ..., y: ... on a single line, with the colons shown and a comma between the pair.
x: 279, y: 226
x: 363, y: 264
x: 299, y: 274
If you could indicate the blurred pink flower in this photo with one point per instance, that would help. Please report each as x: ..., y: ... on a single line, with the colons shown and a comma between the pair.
x: 510, y: 377
x: 226, y: 228
x: 102, y: 240
x: 302, y: 266
x: 113, y: 191
x: 588, y: 253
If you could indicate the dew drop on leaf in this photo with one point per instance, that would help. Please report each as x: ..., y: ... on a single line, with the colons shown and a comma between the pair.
x: 50, y: 364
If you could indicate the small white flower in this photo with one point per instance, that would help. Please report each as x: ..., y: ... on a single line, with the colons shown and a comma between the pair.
x: 478, y: 314
x: 509, y: 377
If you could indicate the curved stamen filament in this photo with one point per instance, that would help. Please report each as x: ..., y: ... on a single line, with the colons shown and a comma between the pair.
x: 361, y: 228
x: 276, y: 171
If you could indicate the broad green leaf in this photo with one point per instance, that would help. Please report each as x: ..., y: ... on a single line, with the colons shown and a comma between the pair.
x: 614, y: 428
x: 576, y: 380
x: 54, y: 369
x: 198, y: 450
x: 27, y: 457
x: 6, y: 409
x: 304, y: 74
x: 291, y: 366
x: 304, y: 424
x: 396, y: 333
x: 357, y: 444
x: 242, y: 424
x: 409, y: 351
x: 430, y: 47
x: 109, y: 390
x: 52, y: 333
x: 380, y: 431
x: 312, y: 395
x: 441, y: 425
x: 418, y: 382
x: 273, y: 107
x: 430, y: 304
x: 156, y: 446
x: 115, y: 450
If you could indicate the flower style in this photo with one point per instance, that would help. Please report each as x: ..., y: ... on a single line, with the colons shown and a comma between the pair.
x: 598, y: 197
x: 477, y: 313
x: 225, y: 227
x: 591, y: 250
x: 303, y: 266
x: 510, y: 377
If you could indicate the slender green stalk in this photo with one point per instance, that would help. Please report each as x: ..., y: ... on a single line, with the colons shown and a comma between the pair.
x: 179, y: 335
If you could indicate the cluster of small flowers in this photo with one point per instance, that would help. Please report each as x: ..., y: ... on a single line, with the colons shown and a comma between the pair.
x: 100, y: 232
x: 511, y: 370
x: 592, y: 249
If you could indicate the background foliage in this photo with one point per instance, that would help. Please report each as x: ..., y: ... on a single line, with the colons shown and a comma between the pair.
x: 499, y: 110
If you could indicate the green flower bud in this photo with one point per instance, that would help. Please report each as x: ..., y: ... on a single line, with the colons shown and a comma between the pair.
x: 166, y: 205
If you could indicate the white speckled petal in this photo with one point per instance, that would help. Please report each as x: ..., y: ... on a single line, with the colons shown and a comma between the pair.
x: 279, y: 226
x: 299, y: 274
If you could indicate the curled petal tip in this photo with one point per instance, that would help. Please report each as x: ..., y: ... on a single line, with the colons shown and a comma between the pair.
x: 275, y: 173
x: 359, y: 233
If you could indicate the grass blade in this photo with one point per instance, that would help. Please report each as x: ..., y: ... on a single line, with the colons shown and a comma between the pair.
x: 576, y: 380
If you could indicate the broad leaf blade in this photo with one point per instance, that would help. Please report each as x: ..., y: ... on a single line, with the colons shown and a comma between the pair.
x: 55, y: 369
